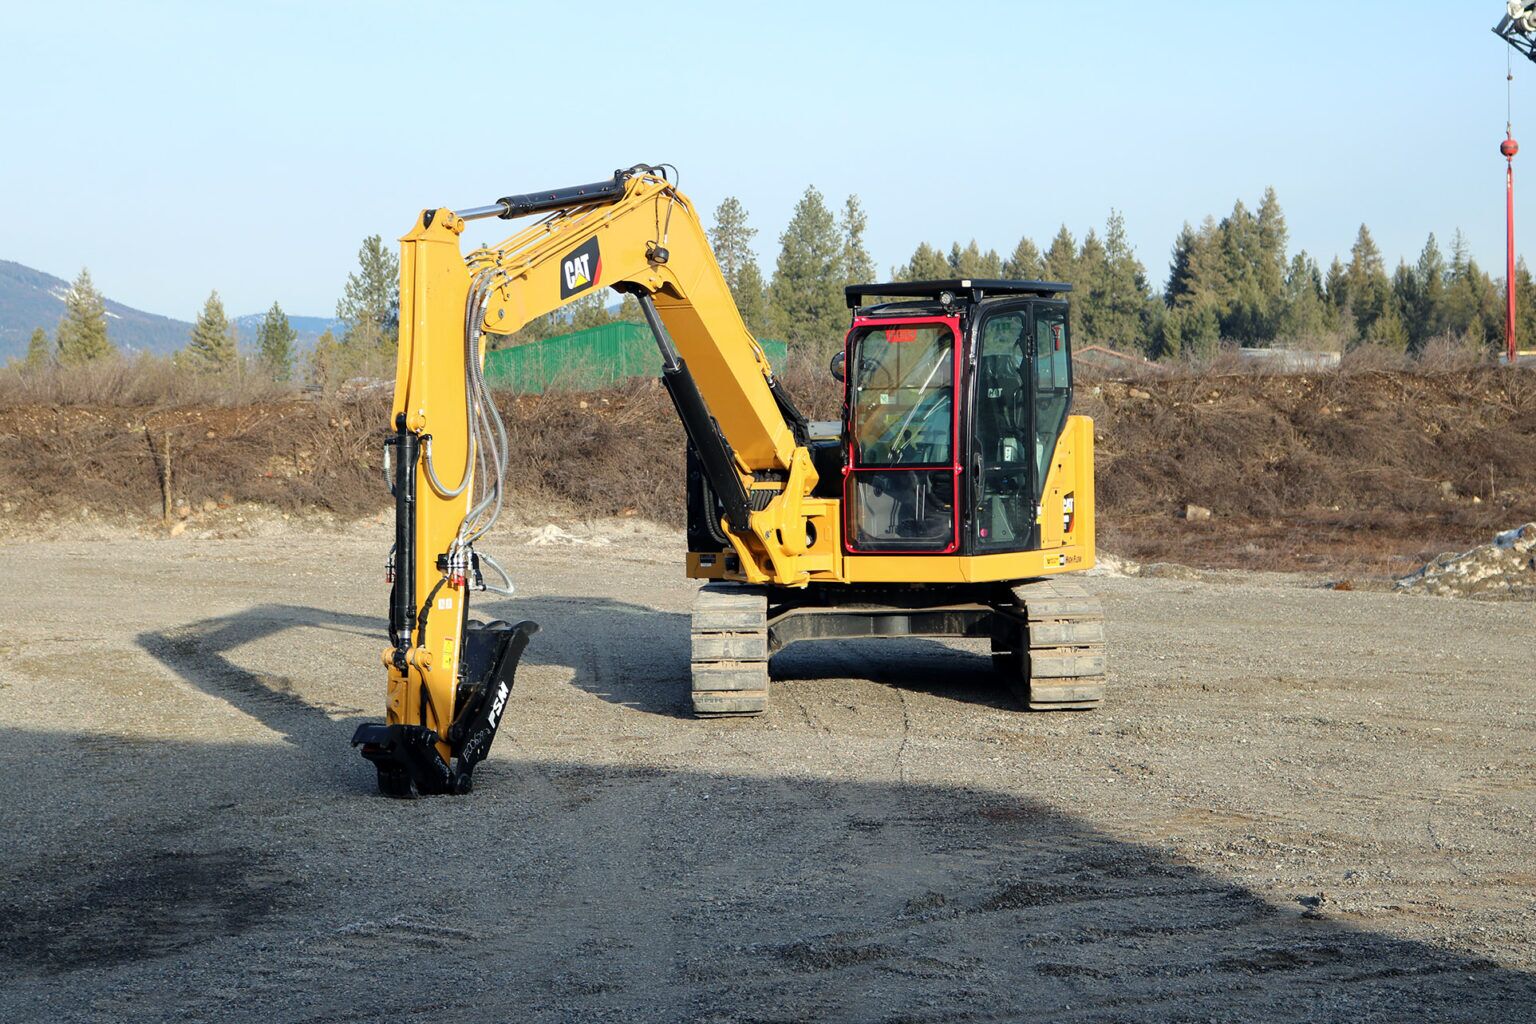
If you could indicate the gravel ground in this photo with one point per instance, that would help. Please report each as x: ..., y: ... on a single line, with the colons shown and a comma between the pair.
x: 1299, y: 804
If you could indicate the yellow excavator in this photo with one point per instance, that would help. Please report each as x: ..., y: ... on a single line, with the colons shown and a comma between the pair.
x: 953, y: 498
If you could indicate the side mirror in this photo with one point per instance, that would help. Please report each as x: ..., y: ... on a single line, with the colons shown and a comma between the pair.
x: 839, y: 365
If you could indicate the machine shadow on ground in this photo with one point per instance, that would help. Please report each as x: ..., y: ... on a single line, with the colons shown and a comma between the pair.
x: 638, y: 892
x: 626, y: 654
x: 202, y: 653
x: 637, y: 656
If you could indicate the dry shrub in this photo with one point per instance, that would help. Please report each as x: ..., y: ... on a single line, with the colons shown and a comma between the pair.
x: 291, y: 455
x: 1283, y: 460
x: 1371, y: 357
x: 1452, y: 353
x: 621, y: 450
x: 134, y: 381
x: 810, y: 384
x: 1370, y: 451
x: 1349, y: 468
x: 613, y: 452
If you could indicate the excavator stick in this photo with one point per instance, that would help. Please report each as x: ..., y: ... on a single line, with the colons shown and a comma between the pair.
x: 413, y: 757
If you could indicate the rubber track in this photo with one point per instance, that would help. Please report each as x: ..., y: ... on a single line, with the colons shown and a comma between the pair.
x: 1063, y: 666
x: 729, y: 650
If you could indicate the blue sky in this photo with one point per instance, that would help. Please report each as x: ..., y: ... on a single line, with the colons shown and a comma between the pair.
x: 177, y: 148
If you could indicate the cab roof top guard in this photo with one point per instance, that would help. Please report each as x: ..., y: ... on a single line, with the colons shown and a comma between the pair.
x: 969, y: 289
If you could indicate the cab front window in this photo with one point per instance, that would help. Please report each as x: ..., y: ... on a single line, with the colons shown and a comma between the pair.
x: 903, y: 395
x: 902, y: 484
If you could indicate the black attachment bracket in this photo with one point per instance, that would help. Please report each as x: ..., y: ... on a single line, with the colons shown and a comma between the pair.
x: 407, y: 757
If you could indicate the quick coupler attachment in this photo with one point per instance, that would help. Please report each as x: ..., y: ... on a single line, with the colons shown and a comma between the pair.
x: 407, y: 756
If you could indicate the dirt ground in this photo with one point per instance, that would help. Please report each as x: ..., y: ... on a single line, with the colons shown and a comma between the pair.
x: 1300, y: 804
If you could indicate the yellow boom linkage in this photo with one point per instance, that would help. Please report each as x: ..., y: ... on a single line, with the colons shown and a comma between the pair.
x: 639, y: 234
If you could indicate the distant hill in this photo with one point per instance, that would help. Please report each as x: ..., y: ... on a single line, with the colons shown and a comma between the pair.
x: 31, y: 298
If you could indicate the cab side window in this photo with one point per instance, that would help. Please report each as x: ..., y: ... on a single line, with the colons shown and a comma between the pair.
x: 1005, y: 511
x: 1053, y: 387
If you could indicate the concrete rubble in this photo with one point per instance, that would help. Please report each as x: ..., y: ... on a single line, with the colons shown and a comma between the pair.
x: 1503, y: 568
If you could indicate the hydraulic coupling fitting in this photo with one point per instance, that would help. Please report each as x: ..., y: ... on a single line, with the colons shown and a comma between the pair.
x: 456, y: 565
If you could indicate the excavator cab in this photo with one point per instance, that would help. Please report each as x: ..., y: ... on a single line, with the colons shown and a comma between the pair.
x: 953, y: 404
x: 963, y: 490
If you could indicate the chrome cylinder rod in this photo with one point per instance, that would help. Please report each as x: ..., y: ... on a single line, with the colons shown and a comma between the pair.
x: 482, y: 212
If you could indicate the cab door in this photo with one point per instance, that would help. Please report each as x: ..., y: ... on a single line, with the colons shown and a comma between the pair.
x: 1020, y: 397
x: 1002, y: 467
x: 903, y: 468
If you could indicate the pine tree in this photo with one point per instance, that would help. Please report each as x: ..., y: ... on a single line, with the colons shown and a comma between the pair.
x: 211, y: 345
x: 1369, y: 291
x: 1194, y: 298
x: 805, y: 299
x: 370, y: 302
x: 1302, y: 320
x: 1190, y: 330
x: 858, y: 267
x: 1209, y: 265
x: 82, y: 333
x: 972, y: 262
x: 1336, y: 286
x: 629, y: 309
x: 1427, y: 319
x: 1091, y: 275
x: 1061, y: 264
x: 926, y: 264
x: 1389, y: 331
x: 1406, y: 292
x: 39, y: 351
x: 1180, y: 266
x: 1025, y: 264
x: 1061, y: 258
x: 1461, y: 255
x: 274, y: 342
x: 751, y: 298
x: 1120, y: 298
x: 1472, y: 307
x: 1525, y: 299
x: 589, y: 311
x: 731, y: 240
x: 1273, y: 265
x: 323, y: 359
x: 1241, y: 298
x: 1237, y: 268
